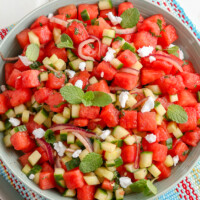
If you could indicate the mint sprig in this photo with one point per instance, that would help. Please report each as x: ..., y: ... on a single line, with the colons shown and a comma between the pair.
x: 91, y: 162
x: 173, y: 50
x: 32, y: 52
x: 177, y: 114
x: 145, y: 186
x: 130, y: 18
x: 49, y: 136
x: 75, y: 95
x: 65, y: 42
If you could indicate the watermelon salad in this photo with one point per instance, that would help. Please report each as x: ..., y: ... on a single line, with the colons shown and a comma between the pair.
x: 101, y: 102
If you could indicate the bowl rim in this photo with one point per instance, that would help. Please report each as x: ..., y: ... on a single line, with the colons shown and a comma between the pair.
x: 18, y: 24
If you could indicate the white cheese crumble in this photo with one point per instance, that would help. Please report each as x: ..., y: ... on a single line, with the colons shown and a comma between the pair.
x: 14, y: 121
x: 123, y: 97
x: 175, y: 159
x: 79, y: 84
x: 151, y: 138
x: 114, y: 19
x: 76, y: 153
x: 3, y: 88
x: 148, y: 105
x: 32, y: 176
x: 50, y: 15
x: 70, y: 73
x: 181, y: 54
x: 152, y: 59
x: 109, y: 55
x: 105, y: 134
x: 39, y: 133
x: 82, y: 66
x: 25, y: 60
x: 145, y: 51
x: 60, y: 148
x: 102, y: 74
x: 125, y: 182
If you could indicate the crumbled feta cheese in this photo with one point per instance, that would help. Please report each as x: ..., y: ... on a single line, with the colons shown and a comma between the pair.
x: 70, y: 73
x: 3, y: 88
x: 145, y: 51
x: 181, y: 54
x: 123, y: 97
x: 14, y: 121
x: 79, y: 84
x: 148, y: 105
x: 170, y: 46
x: 152, y: 58
x: 32, y: 176
x: 50, y: 15
x: 175, y: 159
x: 25, y: 60
x: 82, y: 66
x: 60, y: 148
x: 114, y: 19
x: 125, y: 182
x: 76, y: 153
x: 109, y: 55
x: 105, y: 134
x: 39, y: 133
x: 102, y: 74
x: 151, y: 138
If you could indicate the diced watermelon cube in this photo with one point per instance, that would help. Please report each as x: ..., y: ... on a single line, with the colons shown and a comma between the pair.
x: 80, y: 122
x: 32, y: 125
x: 42, y: 94
x: 181, y: 149
x: 191, y: 138
x: 46, y: 167
x: 40, y: 21
x: 161, y: 134
x: 110, y: 115
x: 186, y: 98
x: 124, y: 6
x: 129, y: 120
x: 101, y: 86
x: 107, y: 184
x: 165, y: 171
x: 23, y: 38
x: 128, y: 58
x: 54, y: 82
x: 24, y: 159
x: 89, y: 112
x: 147, y: 121
x: 74, y: 179
x: 47, y: 180
x: 3, y: 104
x: 30, y: 78
x: 69, y: 10
x: 129, y: 153
x: 9, y: 67
x: 86, y: 192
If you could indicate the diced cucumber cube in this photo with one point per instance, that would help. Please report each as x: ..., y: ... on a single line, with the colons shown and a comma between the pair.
x: 66, y: 113
x: 137, y: 65
x: 70, y: 138
x: 60, y: 65
x: 119, y: 194
x: 91, y: 180
x: 109, y: 33
x: 113, y: 97
x: 83, y: 154
x: 146, y: 158
x: 63, y: 135
x: 75, y: 64
x: 119, y: 132
x: 44, y: 76
x: 19, y: 109
x: 10, y: 113
x: 34, y: 157
x: 107, y: 146
x: 103, y: 172
x: 75, y: 110
x: 37, y: 178
x: 128, y: 46
x: 7, y: 141
x: 93, y: 80
x: 116, y: 63
x: 2, y: 126
x: 56, y: 35
x: 41, y: 116
x: 154, y: 170
x: 113, y: 155
x: 130, y: 167
x: 69, y: 193
x: 159, y: 108
x: 173, y: 98
x: 159, y: 119
x: 130, y: 140
x: 101, y: 194
x: 71, y: 56
x: 53, y: 59
x: 59, y: 119
x: 107, y: 40
x: 33, y: 38
x: 155, y: 89
x: 140, y: 174
x: 89, y: 65
x: 97, y: 146
x: 48, y: 122
x: 169, y: 161
x: 26, y: 169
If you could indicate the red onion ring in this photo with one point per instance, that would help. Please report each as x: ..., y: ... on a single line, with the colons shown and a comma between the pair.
x: 139, y: 103
x: 137, y: 158
x: 169, y: 60
x: 130, y: 71
x: 84, y: 140
x: 80, y: 47
x: 115, y: 88
x: 47, y: 147
x: 99, y: 41
x: 58, y: 162
x: 71, y: 128
x: 8, y: 59
x: 125, y: 31
x: 60, y: 21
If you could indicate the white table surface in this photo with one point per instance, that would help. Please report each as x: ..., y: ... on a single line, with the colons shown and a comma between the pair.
x: 12, y: 11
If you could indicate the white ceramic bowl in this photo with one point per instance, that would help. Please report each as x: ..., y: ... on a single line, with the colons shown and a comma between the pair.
x: 186, y: 41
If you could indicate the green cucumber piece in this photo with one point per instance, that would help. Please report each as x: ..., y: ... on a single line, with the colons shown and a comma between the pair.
x: 118, y: 162
x: 105, y: 4
x: 20, y: 128
x: 73, y: 163
x: 36, y: 169
x: 85, y: 15
x: 146, y: 159
x: 71, y: 55
x: 75, y: 64
x: 128, y: 46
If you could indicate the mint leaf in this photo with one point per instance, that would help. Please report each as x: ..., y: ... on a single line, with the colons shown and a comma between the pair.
x: 49, y: 136
x: 73, y: 163
x: 87, y: 98
x: 150, y: 188
x: 130, y: 18
x: 169, y: 142
x: 177, y: 113
x: 173, y: 50
x: 32, y: 52
x: 66, y: 42
x: 101, y: 99
x: 138, y: 186
x: 72, y: 94
x: 91, y: 162
x: 159, y: 22
x: 35, y: 65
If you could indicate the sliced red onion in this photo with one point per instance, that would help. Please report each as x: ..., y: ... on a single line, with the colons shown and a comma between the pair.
x: 71, y: 128
x: 8, y: 59
x: 125, y: 31
x: 115, y: 88
x: 136, y: 90
x: 70, y: 150
x: 139, y: 103
x: 130, y: 71
x: 80, y: 48
x: 47, y: 147
x: 58, y: 162
x: 60, y: 21
x: 169, y: 60
x: 84, y: 140
x: 25, y: 60
x: 99, y: 41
